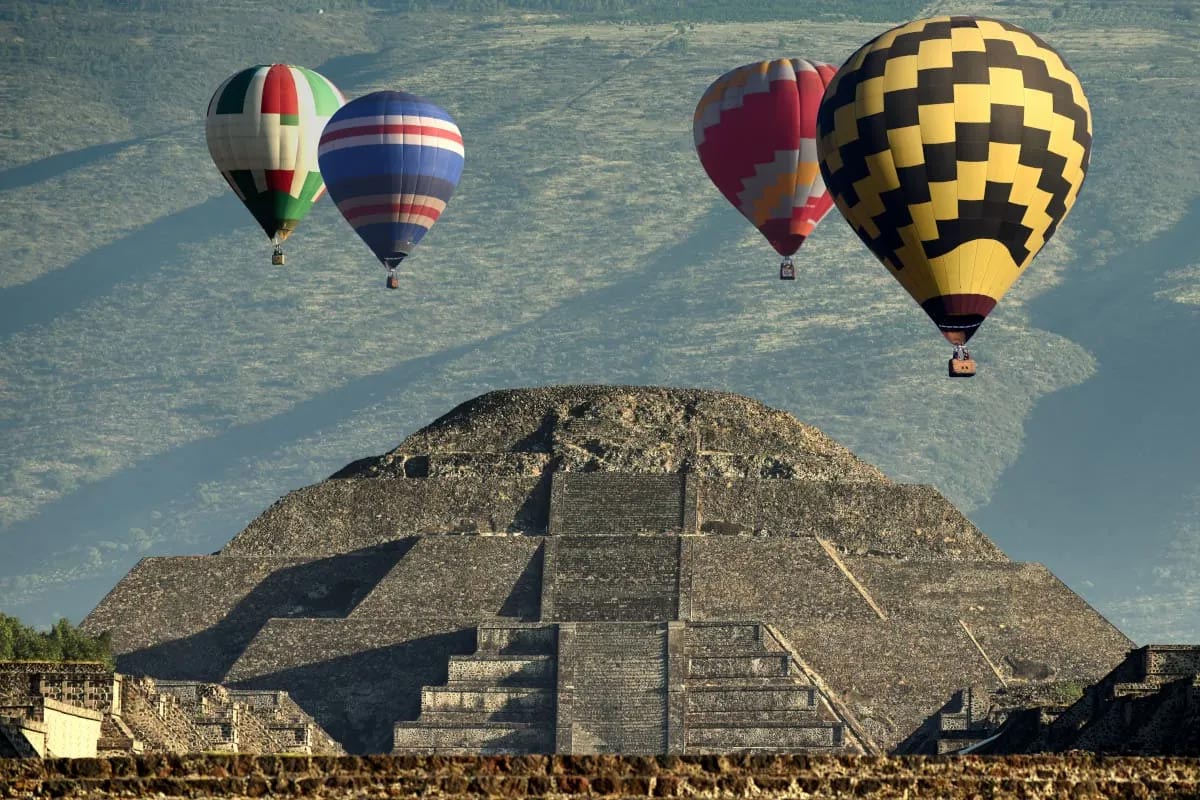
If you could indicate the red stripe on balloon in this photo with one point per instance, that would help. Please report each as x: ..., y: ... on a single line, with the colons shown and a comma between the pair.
x: 392, y: 208
x: 280, y: 180
x: 279, y: 91
x: 808, y: 86
x: 368, y: 130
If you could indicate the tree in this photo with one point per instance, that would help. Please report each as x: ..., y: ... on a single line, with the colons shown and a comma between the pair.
x: 63, y: 642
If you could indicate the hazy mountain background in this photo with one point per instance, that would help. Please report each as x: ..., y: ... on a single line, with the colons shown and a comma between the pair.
x: 161, y: 384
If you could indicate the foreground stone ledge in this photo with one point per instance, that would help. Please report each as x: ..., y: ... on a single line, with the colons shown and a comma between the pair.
x: 1074, y: 776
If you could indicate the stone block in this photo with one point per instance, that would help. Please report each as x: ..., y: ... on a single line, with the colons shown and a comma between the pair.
x: 765, y: 665
x: 518, y: 639
x: 752, y: 698
x: 602, y: 503
x: 765, y: 736
x: 517, y: 670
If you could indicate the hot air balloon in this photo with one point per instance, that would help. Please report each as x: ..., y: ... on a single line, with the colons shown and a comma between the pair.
x: 262, y: 127
x: 391, y: 160
x: 755, y: 130
x: 954, y: 146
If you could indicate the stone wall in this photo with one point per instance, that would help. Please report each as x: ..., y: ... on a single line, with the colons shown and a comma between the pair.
x: 87, y: 684
x: 343, y: 516
x: 753, y: 578
x: 939, y: 625
x: 356, y: 677
x: 860, y: 517
x: 611, y: 578
x: 612, y: 688
x: 1080, y: 777
x: 465, y: 577
x: 195, y: 614
x: 71, y: 731
x: 601, y: 503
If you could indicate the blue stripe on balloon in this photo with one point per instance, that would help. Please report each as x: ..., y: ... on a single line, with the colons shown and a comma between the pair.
x: 393, y: 104
x: 380, y: 159
x: 382, y: 237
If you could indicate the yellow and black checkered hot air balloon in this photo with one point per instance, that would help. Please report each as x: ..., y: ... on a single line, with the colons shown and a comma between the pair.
x: 954, y: 146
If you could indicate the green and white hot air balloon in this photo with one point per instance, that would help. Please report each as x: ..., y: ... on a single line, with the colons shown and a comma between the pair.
x: 263, y: 127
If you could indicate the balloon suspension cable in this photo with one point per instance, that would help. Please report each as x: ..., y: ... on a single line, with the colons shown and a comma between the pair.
x: 960, y: 353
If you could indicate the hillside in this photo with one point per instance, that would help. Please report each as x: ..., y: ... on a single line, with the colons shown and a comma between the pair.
x: 159, y: 382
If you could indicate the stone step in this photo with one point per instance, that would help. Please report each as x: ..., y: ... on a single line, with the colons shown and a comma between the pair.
x: 459, y: 698
x: 620, y: 641
x: 728, y: 738
x: 614, y: 578
x: 517, y: 639
x: 612, y: 608
x: 739, y: 682
x: 458, y: 718
x: 740, y: 665
x: 472, y: 738
x: 506, y: 670
x: 607, y: 503
x: 750, y: 698
x: 699, y: 637
x: 751, y: 717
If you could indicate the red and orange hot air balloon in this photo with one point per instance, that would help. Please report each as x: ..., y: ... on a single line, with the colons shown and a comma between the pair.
x: 755, y: 132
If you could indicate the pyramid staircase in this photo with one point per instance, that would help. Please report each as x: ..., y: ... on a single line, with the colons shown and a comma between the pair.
x: 613, y: 687
x: 744, y: 693
x: 500, y: 699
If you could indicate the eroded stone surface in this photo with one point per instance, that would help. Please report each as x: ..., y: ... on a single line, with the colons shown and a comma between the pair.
x: 593, y: 505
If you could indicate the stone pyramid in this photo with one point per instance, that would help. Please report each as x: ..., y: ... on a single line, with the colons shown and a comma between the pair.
x: 592, y: 569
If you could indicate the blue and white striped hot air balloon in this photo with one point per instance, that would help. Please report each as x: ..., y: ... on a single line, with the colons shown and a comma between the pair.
x: 390, y: 161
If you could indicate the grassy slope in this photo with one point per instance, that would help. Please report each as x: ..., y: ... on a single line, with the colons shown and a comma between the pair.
x: 585, y: 244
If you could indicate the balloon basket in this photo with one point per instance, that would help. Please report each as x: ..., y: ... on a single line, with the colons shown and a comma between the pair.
x: 961, y: 367
x: 393, y: 281
x: 278, y: 259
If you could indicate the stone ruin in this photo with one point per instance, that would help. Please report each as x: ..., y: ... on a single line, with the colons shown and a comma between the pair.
x: 86, y: 709
x: 589, y: 569
x: 1148, y: 704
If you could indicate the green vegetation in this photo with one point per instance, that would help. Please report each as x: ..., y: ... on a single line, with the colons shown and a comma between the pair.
x: 659, y: 11
x: 1066, y: 692
x: 63, y: 642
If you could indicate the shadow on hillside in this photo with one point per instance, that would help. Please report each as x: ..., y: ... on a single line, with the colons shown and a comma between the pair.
x: 322, y: 589
x: 52, y: 166
x: 106, y: 509
x: 141, y: 254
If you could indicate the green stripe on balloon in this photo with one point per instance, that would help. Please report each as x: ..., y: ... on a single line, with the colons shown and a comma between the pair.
x: 312, y: 185
x: 286, y: 207
x: 325, y: 99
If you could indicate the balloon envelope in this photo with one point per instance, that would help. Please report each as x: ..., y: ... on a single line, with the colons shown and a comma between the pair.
x: 954, y: 146
x: 755, y: 130
x: 262, y: 127
x: 391, y: 161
